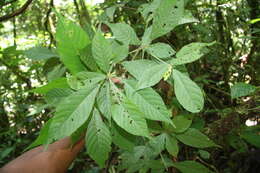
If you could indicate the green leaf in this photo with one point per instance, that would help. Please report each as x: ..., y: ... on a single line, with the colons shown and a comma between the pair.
x: 252, y: 136
x: 104, y: 101
x: 124, y: 33
x: 158, y: 143
x: 40, y: 53
x: 57, y: 72
x: 120, y: 52
x: 190, y: 53
x: 130, y: 120
x: 195, y: 138
x: 71, y: 39
x: 132, y: 159
x: 56, y: 95
x: 57, y: 83
x: 160, y: 50
x: 204, y: 154
x: 155, y: 126
x: 146, y: 39
x: 149, y: 8
x: 77, y: 135
x: 147, y: 72
x: 237, y: 142
x: 172, y: 145
x: 187, y: 166
x: 6, y: 152
x: 110, y: 12
x: 198, y: 123
x: 168, y: 15
x: 187, y: 92
x: 46, y: 135
x: 157, y: 166
x: 82, y: 79
x: 148, y: 102
x: 137, y: 67
x: 242, y: 89
x: 152, y: 76
x: 182, y: 123
x: 187, y: 18
x: 123, y: 139
x: 11, y: 51
x: 102, y: 51
x: 87, y: 58
x: 98, y: 140
x: 74, y: 111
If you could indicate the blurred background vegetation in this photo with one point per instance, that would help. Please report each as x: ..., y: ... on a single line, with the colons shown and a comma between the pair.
x: 232, y: 123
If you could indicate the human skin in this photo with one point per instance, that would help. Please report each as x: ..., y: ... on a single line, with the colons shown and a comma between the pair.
x: 55, y: 159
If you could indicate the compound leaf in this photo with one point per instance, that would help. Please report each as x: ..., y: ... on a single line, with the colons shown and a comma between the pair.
x: 130, y: 119
x: 172, y: 145
x: 57, y: 83
x: 182, y: 123
x: 137, y: 67
x: 195, y: 138
x: 120, y: 52
x: 40, y: 53
x: 124, y: 33
x: 241, y: 89
x: 148, y: 73
x: 148, y: 102
x: 73, y: 111
x: 123, y: 139
x: 102, y: 51
x: 160, y: 50
x: 187, y: 92
x: 82, y: 79
x: 157, y: 143
x: 104, y: 101
x: 98, y: 139
x: 187, y: 166
x: 168, y: 15
x: 190, y: 53
x: 71, y: 39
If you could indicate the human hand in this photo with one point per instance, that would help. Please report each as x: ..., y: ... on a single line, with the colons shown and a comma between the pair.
x: 55, y: 159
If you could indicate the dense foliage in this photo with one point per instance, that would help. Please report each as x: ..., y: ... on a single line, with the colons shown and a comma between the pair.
x: 155, y: 86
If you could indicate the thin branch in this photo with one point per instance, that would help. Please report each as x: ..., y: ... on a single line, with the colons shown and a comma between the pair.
x: 84, y: 12
x: 17, y: 12
x: 14, y: 28
x: 47, y: 22
x: 77, y: 8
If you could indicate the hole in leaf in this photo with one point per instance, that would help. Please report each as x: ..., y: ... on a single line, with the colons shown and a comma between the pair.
x: 175, y: 6
x: 98, y: 130
x: 131, y: 121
